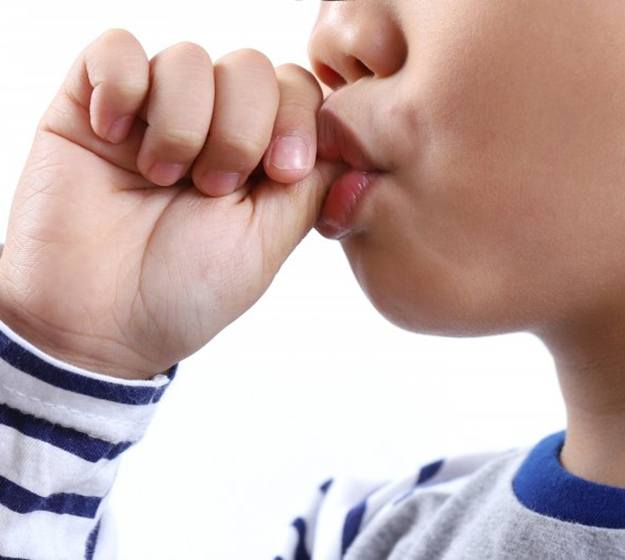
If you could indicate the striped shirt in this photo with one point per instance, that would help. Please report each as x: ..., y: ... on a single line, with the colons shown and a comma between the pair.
x: 63, y: 431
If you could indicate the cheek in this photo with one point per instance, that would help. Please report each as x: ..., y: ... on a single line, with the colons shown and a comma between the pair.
x: 512, y: 204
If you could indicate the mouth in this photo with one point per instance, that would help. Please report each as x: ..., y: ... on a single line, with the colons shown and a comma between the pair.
x: 338, y: 142
x: 339, y: 215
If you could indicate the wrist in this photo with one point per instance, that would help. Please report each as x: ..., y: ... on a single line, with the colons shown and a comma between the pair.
x: 90, y: 353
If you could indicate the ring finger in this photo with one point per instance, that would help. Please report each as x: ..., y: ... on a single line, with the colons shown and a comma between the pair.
x: 179, y: 110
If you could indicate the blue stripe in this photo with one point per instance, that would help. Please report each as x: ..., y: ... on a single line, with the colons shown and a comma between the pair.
x: 425, y: 473
x: 91, y: 542
x: 351, y: 526
x: 27, y: 362
x: 20, y: 500
x: 77, y: 443
x: 300, y: 551
x: 324, y: 486
x: 403, y: 496
x: 11, y: 558
x: 428, y: 471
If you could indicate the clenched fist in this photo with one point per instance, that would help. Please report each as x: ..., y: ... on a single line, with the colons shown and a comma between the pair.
x: 158, y: 201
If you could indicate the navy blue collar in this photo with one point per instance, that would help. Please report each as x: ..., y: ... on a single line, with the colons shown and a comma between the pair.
x: 543, y: 485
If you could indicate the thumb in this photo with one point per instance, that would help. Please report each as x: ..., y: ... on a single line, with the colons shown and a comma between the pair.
x: 288, y: 212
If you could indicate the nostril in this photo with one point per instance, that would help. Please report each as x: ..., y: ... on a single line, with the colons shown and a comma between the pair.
x: 361, y: 67
x: 328, y: 76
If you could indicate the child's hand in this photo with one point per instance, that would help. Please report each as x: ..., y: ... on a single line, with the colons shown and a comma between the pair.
x: 104, y: 268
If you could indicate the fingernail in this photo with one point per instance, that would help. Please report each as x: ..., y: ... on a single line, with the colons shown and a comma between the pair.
x: 220, y: 183
x: 165, y: 174
x: 289, y: 152
x: 118, y: 130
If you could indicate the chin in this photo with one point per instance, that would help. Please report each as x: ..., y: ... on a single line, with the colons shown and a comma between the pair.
x: 435, y: 302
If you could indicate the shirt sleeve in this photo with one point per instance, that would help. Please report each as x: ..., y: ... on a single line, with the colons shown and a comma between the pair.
x: 342, y: 508
x: 63, y: 431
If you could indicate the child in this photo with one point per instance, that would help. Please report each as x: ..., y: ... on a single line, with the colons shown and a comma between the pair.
x: 469, y: 159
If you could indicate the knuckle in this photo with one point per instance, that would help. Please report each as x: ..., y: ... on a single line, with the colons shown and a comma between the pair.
x: 295, y: 105
x: 117, y: 35
x: 188, y: 49
x: 186, y: 140
x: 252, y: 54
x: 300, y: 81
x: 290, y: 70
x: 248, y: 56
x: 243, y: 147
x: 132, y: 87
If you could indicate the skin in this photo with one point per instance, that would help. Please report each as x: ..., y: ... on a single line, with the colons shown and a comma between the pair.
x: 501, y: 127
x: 124, y: 269
x: 498, y: 126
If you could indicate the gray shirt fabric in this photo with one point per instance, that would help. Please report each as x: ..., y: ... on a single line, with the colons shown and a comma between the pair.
x: 522, y: 504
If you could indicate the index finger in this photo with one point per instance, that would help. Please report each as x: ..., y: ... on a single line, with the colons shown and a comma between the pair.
x: 292, y: 151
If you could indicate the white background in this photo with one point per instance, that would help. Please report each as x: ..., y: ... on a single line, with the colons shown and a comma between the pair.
x: 309, y: 383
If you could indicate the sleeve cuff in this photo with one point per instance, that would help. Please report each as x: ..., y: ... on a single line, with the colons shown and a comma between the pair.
x: 35, y: 383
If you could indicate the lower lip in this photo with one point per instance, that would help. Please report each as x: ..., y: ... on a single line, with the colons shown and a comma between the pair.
x: 336, y: 219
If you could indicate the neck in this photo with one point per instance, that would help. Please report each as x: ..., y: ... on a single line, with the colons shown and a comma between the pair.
x: 590, y: 362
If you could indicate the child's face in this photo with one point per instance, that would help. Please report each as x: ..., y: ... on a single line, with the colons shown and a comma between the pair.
x: 501, y: 126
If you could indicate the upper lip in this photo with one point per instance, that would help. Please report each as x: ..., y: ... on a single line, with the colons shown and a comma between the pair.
x: 338, y: 142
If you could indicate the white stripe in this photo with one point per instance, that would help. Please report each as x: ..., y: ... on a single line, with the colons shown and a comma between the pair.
x: 343, y: 494
x: 45, y: 469
x: 42, y: 535
x: 106, y: 545
x: 287, y: 537
x: 289, y: 543
x: 311, y: 515
x: 100, y: 418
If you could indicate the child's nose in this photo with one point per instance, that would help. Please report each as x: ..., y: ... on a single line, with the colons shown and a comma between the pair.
x: 353, y: 39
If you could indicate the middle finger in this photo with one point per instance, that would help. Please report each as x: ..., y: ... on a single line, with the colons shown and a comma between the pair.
x: 246, y: 104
